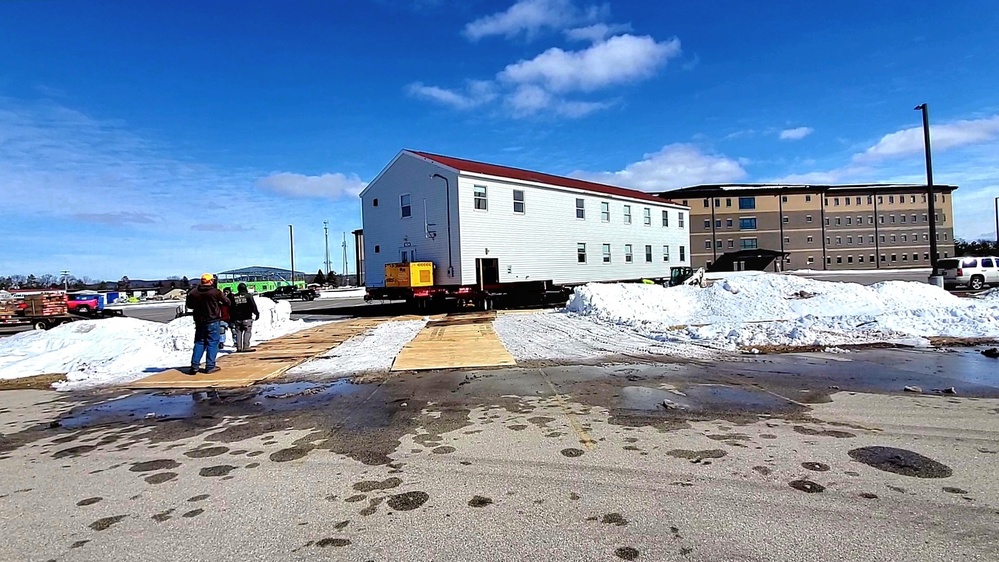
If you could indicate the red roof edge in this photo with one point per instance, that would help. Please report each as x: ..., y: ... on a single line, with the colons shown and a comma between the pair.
x: 540, y: 177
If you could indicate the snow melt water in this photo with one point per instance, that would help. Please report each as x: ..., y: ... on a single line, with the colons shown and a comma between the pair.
x: 118, y: 350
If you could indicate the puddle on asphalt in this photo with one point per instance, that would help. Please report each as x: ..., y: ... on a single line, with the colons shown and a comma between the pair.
x: 901, y: 461
x: 162, y: 406
x: 704, y: 398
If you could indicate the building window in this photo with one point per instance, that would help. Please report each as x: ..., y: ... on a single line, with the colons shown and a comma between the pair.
x: 827, y: 221
x: 627, y: 253
x: 605, y: 211
x: 808, y: 218
x: 783, y: 198
x: 406, y: 208
x: 892, y: 237
x: 829, y: 260
x: 731, y: 243
x: 728, y: 201
x: 580, y: 253
x: 926, y: 256
x: 747, y: 223
x: 683, y: 254
x: 518, y: 201
x: 747, y: 243
x: 924, y: 217
x: 915, y: 256
x: 872, y: 258
x: 809, y: 239
x: 905, y: 257
x: 811, y: 259
x: 849, y: 240
x: 580, y: 209
x: 913, y: 218
x: 707, y: 244
x: 881, y: 219
x: 835, y: 201
x: 870, y: 200
x: 606, y: 252
x: 849, y: 220
x: 707, y: 224
x: 808, y: 199
x: 883, y: 258
x: 718, y: 223
x: 870, y: 219
x: 847, y: 200
x: 860, y: 259
x: 480, y: 198
x: 374, y: 202
x: 680, y: 218
x: 871, y: 240
x: 891, y: 200
x: 860, y: 221
x: 893, y: 257
x: 839, y: 259
x: 858, y: 200
x: 718, y: 243
x: 377, y: 248
x: 665, y: 218
x: 881, y: 199
x: 905, y: 238
x: 912, y: 199
x: 747, y: 202
x: 686, y: 203
x: 839, y: 240
x: 882, y: 238
x: 666, y: 253
x: 717, y: 202
x: 787, y: 240
x: 648, y: 253
x: 706, y: 203
x: 785, y: 219
x: 728, y: 223
x: 627, y: 214
x: 838, y: 221
x: 893, y: 219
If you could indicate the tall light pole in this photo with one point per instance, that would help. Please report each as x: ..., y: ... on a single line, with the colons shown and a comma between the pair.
x: 291, y: 237
x: 929, y: 186
x: 65, y: 279
x: 997, y: 223
x: 326, y: 232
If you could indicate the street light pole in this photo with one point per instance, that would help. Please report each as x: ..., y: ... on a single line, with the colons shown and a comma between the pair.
x: 291, y: 238
x: 326, y: 232
x: 997, y: 223
x: 929, y: 186
x: 65, y: 279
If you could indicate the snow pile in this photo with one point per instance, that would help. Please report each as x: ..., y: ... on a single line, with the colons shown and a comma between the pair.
x: 118, y: 350
x: 787, y: 310
x: 345, y: 293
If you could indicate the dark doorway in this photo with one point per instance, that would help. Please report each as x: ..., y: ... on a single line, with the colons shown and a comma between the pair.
x: 486, y: 271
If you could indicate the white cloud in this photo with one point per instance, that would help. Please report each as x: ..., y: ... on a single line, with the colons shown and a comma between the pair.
x: 330, y: 186
x: 620, y: 59
x: 676, y: 165
x: 596, y: 32
x: 531, y: 17
x: 477, y: 93
x: 123, y: 217
x: 796, y: 134
x: 222, y: 227
x: 909, y: 142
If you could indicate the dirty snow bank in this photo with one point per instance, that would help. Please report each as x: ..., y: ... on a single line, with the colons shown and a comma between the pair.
x: 375, y: 350
x: 775, y: 309
x: 118, y: 350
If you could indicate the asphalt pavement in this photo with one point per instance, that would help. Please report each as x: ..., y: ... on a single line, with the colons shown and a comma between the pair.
x: 793, y: 457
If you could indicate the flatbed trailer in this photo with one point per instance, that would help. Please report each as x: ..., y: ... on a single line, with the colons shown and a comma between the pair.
x: 48, y: 321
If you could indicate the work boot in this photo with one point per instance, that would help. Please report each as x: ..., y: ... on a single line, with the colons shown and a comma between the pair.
x: 193, y: 370
x: 213, y: 370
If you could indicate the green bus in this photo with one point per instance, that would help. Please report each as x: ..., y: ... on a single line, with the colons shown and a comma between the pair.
x: 258, y: 279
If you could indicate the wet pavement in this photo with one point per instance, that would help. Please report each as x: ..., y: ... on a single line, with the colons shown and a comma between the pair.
x: 681, y: 460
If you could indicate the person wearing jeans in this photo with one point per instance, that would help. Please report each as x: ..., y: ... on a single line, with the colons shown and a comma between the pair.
x: 206, y: 302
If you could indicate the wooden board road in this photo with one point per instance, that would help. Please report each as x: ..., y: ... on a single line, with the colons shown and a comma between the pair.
x: 457, y: 341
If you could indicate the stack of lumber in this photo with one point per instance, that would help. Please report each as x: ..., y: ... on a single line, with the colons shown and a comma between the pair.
x: 51, y: 304
x: 7, y: 309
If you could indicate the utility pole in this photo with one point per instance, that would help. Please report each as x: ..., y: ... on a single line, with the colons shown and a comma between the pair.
x: 345, y: 271
x: 929, y: 186
x: 326, y: 232
x: 291, y: 237
x: 65, y: 279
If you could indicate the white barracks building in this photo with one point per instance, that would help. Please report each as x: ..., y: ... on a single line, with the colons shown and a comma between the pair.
x: 493, y: 225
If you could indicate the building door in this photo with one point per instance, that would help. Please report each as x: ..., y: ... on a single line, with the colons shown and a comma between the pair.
x: 486, y: 271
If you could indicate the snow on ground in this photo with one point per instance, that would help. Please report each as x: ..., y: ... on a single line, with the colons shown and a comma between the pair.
x: 786, y: 310
x: 557, y: 336
x: 375, y: 350
x: 118, y: 350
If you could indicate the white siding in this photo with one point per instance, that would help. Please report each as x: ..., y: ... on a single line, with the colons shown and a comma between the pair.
x: 540, y: 244
x: 386, y: 228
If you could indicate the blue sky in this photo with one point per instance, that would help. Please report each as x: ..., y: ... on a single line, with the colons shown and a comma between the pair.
x: 151, y: 139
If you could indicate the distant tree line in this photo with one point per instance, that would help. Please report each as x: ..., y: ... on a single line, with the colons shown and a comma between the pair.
x: 980, y: 247
x: 49, y: 281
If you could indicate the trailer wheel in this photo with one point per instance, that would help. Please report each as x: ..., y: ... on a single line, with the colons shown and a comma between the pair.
x: 40, y: 325
x: 83, y: 309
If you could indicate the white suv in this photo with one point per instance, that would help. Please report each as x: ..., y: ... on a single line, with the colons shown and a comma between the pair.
x: 975, y: 272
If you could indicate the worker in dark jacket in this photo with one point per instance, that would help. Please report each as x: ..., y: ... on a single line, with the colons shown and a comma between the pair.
x: 206, y: 303
x: 243, y: 312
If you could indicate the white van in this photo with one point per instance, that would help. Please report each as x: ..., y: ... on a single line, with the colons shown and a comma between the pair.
x: 975, y: 272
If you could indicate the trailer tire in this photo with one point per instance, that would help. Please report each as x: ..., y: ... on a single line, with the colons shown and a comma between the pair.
x: 83, y: 309
x: 40, y: 325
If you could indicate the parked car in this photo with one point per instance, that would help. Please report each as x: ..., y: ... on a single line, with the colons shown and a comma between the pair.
x: 290, y: 292
x: 973, y: 272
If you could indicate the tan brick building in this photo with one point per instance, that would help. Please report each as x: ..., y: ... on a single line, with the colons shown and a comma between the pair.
x: 819, y: 226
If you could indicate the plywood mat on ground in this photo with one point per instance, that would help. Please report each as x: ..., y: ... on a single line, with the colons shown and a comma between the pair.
x: 271, y: 359
x: 459, y: 340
